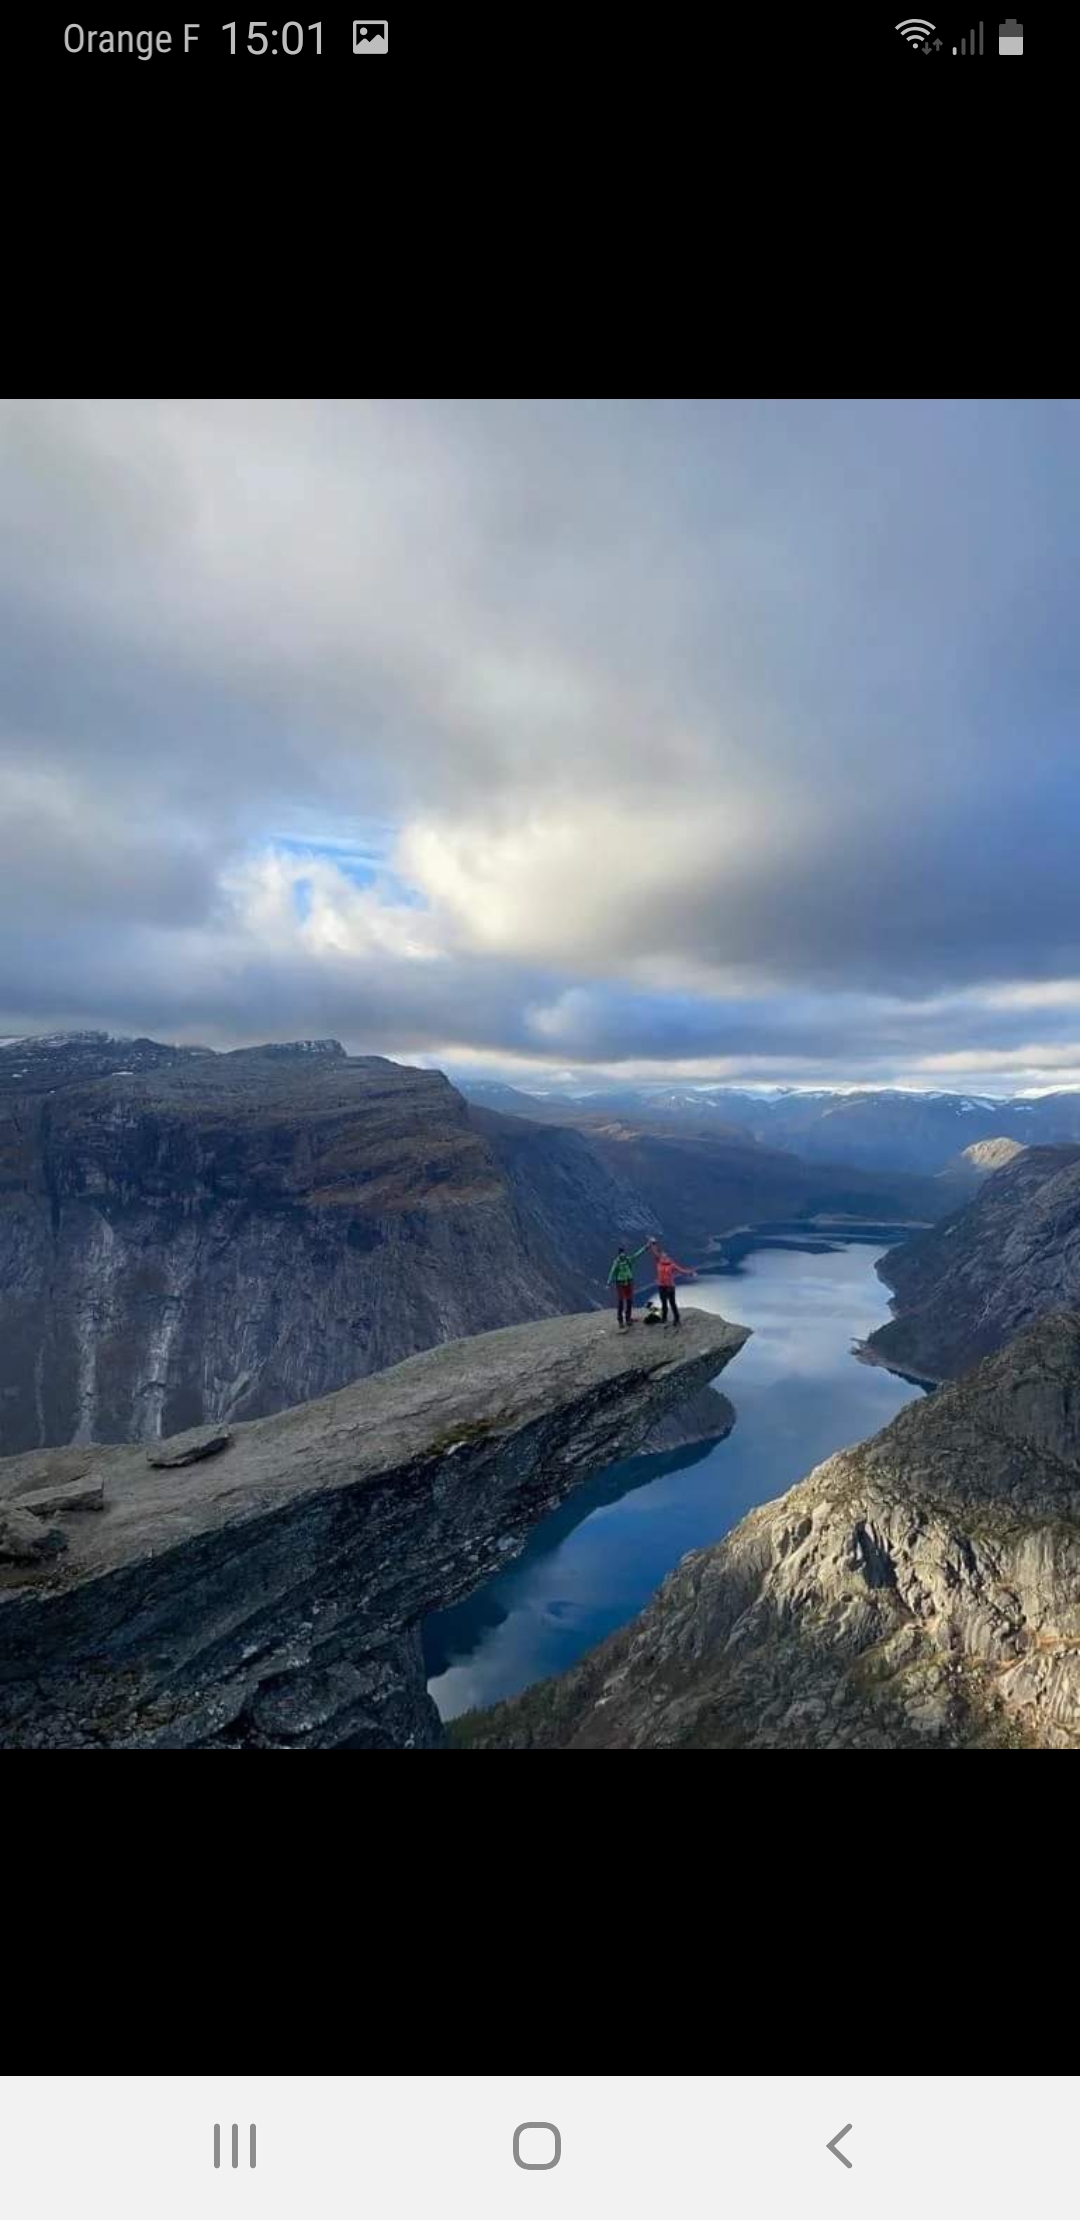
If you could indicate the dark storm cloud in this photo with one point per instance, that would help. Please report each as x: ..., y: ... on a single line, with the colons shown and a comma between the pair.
x: 708, y: 731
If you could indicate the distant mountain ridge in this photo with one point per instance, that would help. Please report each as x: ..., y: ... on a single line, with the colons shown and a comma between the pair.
x: 882, y: 1129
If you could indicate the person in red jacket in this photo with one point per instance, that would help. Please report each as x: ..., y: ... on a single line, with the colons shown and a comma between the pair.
x: 666, y: 1269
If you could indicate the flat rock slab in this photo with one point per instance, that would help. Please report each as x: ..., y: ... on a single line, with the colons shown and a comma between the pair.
x: 273, y: 1597
x: 46, y: 1468
x: 56, y: 1502
x: 191, y: 1448
x: 456, y: 1397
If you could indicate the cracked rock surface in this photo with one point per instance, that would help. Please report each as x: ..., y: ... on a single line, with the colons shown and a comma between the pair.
x: 271, y: 1595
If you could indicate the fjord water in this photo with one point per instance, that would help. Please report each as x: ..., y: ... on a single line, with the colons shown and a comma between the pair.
x: 799, y: 1394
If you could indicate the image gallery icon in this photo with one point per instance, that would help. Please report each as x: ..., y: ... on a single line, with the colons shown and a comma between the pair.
x: 1010, y: 37
x: 371, y: 38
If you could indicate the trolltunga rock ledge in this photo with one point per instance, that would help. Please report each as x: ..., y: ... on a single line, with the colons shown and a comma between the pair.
x: 271, y: 1596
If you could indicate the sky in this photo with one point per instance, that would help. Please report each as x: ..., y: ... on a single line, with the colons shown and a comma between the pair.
x: 633, y: 739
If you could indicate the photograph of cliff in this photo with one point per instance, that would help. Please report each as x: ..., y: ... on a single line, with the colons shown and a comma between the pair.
x: 539, y: 1074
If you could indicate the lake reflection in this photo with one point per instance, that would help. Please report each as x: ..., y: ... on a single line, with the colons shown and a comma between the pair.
x: 799, y: 1394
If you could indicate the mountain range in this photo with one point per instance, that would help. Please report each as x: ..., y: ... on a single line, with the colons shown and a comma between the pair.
x: 887, y: 1129
x: 188, y: 1235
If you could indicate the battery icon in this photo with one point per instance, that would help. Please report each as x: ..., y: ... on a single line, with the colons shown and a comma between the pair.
x: 1010, y: 37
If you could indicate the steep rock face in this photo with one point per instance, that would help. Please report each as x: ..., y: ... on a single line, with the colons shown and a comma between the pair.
x: 577, y: 1207
x: 920, y: 1591
x: 187, y: 1236
x: 270, y: 1594
x: 962, y: 1289
x: 577, y: 1211
x: 704, y: 1417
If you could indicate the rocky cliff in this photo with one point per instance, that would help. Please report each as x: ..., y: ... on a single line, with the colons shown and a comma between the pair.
x: 187, y: 1236
x: 984, y: 1157
x: 263, y: 1586
x: 919, y: 1591
x: 705, y: 1417
x: 976, y: 1278
x: 964, y: 1174
x: 576, y: 1207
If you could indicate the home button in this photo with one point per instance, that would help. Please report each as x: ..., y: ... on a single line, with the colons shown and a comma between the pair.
x: 541, y: 2128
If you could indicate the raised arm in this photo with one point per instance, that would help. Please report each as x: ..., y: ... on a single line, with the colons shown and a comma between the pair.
x: 635, y: 1253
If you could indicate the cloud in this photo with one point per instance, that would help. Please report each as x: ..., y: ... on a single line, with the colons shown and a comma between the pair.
x: 610, y: 733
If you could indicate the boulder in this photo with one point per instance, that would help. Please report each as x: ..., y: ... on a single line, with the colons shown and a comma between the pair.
x: 24, y: 1540
x: 190, y: 1448
x: 72, y: 1495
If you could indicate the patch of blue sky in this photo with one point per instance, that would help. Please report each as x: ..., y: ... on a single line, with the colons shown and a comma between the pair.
x: 360, y: 861
x: 361, y: 857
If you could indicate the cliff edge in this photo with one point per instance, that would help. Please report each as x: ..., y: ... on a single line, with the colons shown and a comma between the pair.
x: 269, y: 1592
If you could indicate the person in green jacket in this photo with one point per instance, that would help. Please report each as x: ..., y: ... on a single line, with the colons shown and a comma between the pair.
x: 622, y: 1275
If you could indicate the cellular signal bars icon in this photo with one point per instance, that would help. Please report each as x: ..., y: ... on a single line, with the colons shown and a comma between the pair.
x: 235, y: 2144
x: 970, y: 48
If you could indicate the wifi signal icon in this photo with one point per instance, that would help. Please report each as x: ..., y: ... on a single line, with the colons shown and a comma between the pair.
x: 914, y: 29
